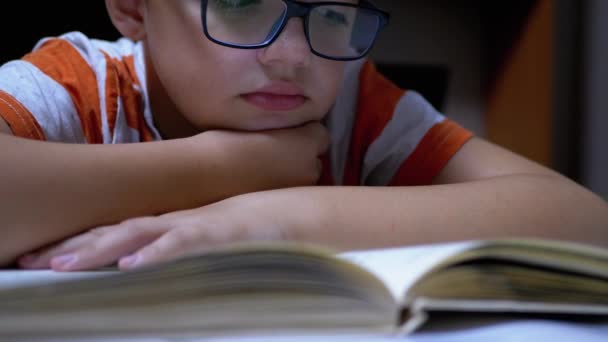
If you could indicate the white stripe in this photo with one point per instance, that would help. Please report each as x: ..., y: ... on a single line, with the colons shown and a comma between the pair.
x: 48, y: 101
x: 123, y: 133
x: 411, y: 121
x: 80, y: 43
x: 101, y: 76
x: 140, y: 70
x: 341, y: 119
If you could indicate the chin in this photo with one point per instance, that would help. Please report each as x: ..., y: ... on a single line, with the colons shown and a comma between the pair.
x: 273, y: 122
x: 255, y: 127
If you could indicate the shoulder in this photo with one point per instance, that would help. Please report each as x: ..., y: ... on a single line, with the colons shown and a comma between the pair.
x: 74, y: 52
x: 73, y: 58
x: 372, y: 96
x: 73, y: 86
x: 383, y: 112
x: 89, y: 49
x: 382, y: 134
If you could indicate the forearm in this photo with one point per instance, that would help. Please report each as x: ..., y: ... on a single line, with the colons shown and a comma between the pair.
x: 51, y: 191
x: 509, y: 206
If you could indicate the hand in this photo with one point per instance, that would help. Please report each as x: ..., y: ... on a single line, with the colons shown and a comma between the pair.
x: 143, y: 241
x: 266, y: 160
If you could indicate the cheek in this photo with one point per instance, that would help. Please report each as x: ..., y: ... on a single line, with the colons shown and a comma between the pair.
x: 329, y: 80
x: 202, y: 80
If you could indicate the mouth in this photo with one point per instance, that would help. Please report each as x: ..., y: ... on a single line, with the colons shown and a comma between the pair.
x: 277, y: 96
x: 274, y: 102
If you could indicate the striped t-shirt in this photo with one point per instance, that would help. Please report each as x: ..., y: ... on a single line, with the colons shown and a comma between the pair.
x: 74, y: 89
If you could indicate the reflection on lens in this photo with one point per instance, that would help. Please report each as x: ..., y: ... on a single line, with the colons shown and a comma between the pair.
x: 342, y: 32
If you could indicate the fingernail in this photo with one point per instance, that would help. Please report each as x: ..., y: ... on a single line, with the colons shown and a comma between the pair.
x: 130, y: 261
x: 64, y: 262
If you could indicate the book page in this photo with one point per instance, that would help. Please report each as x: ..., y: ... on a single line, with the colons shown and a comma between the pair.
x: 400, y: 267
x: 286, y: 287
x: 17, y: 278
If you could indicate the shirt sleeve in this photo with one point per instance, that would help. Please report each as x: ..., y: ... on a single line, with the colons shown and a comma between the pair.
x: 74, y: 89
x: 52, y: 93
x: 398, y: 137
x: 41, y: 95
x: 19, y: 119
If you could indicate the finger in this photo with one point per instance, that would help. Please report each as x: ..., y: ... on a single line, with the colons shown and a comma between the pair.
x: 175, y: 244
x: 42, y: 258
x: 123, y: 240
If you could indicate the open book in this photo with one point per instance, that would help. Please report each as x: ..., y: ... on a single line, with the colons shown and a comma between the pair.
x: 266, y: 288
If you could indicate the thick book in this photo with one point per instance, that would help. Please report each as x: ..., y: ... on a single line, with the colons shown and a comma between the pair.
x: 302, y: 288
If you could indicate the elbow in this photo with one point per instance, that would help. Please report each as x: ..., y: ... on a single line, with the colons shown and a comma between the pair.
x: 581, y: 214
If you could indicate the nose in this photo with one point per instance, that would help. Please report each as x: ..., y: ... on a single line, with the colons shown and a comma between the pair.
x: 290, y: 51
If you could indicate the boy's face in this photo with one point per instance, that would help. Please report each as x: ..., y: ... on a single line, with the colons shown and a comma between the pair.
x: 213, y: 86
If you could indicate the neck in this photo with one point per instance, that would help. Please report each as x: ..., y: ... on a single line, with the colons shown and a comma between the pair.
x: 167, y: 117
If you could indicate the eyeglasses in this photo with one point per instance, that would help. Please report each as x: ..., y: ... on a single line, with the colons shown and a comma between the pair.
x: 334, y: 30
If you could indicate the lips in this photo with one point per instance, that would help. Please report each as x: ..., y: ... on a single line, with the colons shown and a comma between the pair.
x: 277, y: 96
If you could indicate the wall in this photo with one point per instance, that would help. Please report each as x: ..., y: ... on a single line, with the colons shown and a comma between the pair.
x: 520, y: 109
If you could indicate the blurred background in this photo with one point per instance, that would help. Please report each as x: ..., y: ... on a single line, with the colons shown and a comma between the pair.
x: 530, y: 75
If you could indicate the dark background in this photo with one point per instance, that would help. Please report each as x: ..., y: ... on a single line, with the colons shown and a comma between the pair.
x: 51, y: 18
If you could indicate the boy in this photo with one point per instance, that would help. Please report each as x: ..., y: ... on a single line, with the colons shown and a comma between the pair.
x: 229, y: 95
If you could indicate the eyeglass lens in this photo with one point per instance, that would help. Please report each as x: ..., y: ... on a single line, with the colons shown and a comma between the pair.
x: 333, y: 30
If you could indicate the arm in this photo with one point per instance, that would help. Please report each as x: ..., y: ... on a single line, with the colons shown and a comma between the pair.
x: 484, y: 192
x: 51, y: 191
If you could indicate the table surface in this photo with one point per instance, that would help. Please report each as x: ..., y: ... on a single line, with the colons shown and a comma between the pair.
x: 511, y: 331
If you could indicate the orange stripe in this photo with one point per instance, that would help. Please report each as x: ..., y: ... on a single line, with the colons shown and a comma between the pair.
x: 378, y: 98
x: 435, y: 150
x: 20, y: 120
x: 61, y: 61
x: 121, y: 81
x: 145, y: 131
x: 130, y: 64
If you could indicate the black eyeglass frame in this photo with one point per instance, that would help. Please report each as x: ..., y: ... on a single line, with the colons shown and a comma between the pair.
x: 299, y: 9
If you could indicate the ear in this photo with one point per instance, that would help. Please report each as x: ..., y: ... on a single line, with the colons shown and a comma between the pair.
x: 127, y: 17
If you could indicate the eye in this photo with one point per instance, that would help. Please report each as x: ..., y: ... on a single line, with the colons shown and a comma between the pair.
x: 333, y: 17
